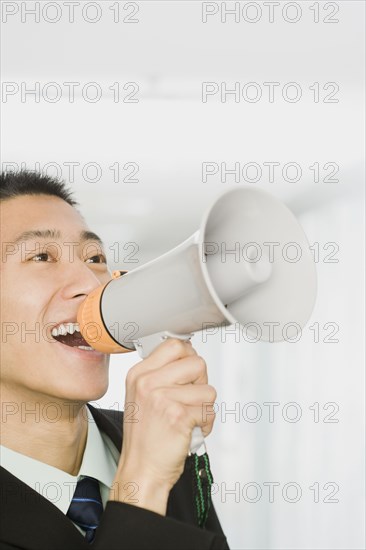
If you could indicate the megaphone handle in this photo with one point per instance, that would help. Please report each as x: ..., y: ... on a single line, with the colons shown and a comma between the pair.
x: 144, y: 347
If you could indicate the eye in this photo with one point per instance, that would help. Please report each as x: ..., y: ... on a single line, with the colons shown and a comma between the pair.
x: 97, y: 259
x: 42, y: 257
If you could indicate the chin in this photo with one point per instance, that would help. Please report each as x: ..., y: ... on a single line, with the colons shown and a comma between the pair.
x: 79, y: 395
x: 79, y: 382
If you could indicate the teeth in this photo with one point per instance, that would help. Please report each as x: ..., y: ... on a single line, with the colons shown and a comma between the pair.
x: 86, y: 348
x: 70, y: 328
x: 63, y: 329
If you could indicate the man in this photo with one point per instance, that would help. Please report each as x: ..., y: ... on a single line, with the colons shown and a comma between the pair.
x: 54, y: 446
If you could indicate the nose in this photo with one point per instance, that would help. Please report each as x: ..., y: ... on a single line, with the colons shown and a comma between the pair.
x: 80, y: 280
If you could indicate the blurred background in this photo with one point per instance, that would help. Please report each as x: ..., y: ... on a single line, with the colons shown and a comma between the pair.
x: 119, y: 111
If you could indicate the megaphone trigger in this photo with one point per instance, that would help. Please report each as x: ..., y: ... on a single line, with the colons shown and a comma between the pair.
x: 147, y: 344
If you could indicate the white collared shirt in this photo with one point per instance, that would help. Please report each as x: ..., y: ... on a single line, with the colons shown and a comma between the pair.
x: 100, y: 461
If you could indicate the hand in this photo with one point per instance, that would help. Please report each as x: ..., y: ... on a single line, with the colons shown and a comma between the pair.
x: 168, y: 390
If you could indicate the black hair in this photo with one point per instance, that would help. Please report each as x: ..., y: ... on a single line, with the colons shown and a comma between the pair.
x: 25, y: 182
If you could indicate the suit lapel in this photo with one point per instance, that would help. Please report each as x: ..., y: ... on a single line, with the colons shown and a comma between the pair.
x: 32, y: 522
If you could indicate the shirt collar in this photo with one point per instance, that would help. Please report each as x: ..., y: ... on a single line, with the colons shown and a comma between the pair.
x: 59, y: 486
x: 97, y: 460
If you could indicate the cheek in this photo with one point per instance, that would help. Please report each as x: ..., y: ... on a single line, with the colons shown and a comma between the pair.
x: 23, y: 304
x: 24, y: 297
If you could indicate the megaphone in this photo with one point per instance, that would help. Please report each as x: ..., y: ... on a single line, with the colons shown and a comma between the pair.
x: 249, y: 263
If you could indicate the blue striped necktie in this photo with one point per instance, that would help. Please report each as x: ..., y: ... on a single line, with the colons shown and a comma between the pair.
x: 86, y: 506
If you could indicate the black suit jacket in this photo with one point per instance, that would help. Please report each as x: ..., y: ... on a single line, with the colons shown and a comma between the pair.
x: 31, y: 522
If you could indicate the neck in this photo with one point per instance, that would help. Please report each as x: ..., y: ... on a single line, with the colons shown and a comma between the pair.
x: 46, y: 429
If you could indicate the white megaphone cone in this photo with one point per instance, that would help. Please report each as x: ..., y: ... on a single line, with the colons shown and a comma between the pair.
x: 249, y: 263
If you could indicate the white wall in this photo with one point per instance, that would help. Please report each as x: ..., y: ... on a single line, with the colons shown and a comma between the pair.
x: 169, y: 133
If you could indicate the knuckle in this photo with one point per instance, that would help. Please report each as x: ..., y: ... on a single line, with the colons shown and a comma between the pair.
x: 176, y: 413
x: 143, y: 384
x: 158, y: 398
x: 201, y: 364
x: 131, y: 376
x: 176, y: 346
x: 212, y: 393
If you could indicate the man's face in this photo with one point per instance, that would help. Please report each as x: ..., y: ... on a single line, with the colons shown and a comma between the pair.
x: 43, y: 282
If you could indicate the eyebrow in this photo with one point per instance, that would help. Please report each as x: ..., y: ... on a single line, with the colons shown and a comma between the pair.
x: 55, y: 235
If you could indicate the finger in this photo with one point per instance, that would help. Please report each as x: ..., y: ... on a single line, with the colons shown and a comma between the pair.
x: 202, y: 419
x: 172, y: 349
x: 203, y: 396
x: 190, y: 370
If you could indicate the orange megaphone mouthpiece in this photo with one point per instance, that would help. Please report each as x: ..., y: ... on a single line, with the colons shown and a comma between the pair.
x: 91, y: 323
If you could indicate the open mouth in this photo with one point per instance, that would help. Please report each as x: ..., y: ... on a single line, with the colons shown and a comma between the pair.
x: 69, y: 335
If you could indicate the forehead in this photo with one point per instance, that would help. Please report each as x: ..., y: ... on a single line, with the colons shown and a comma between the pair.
x: 32, y: 212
